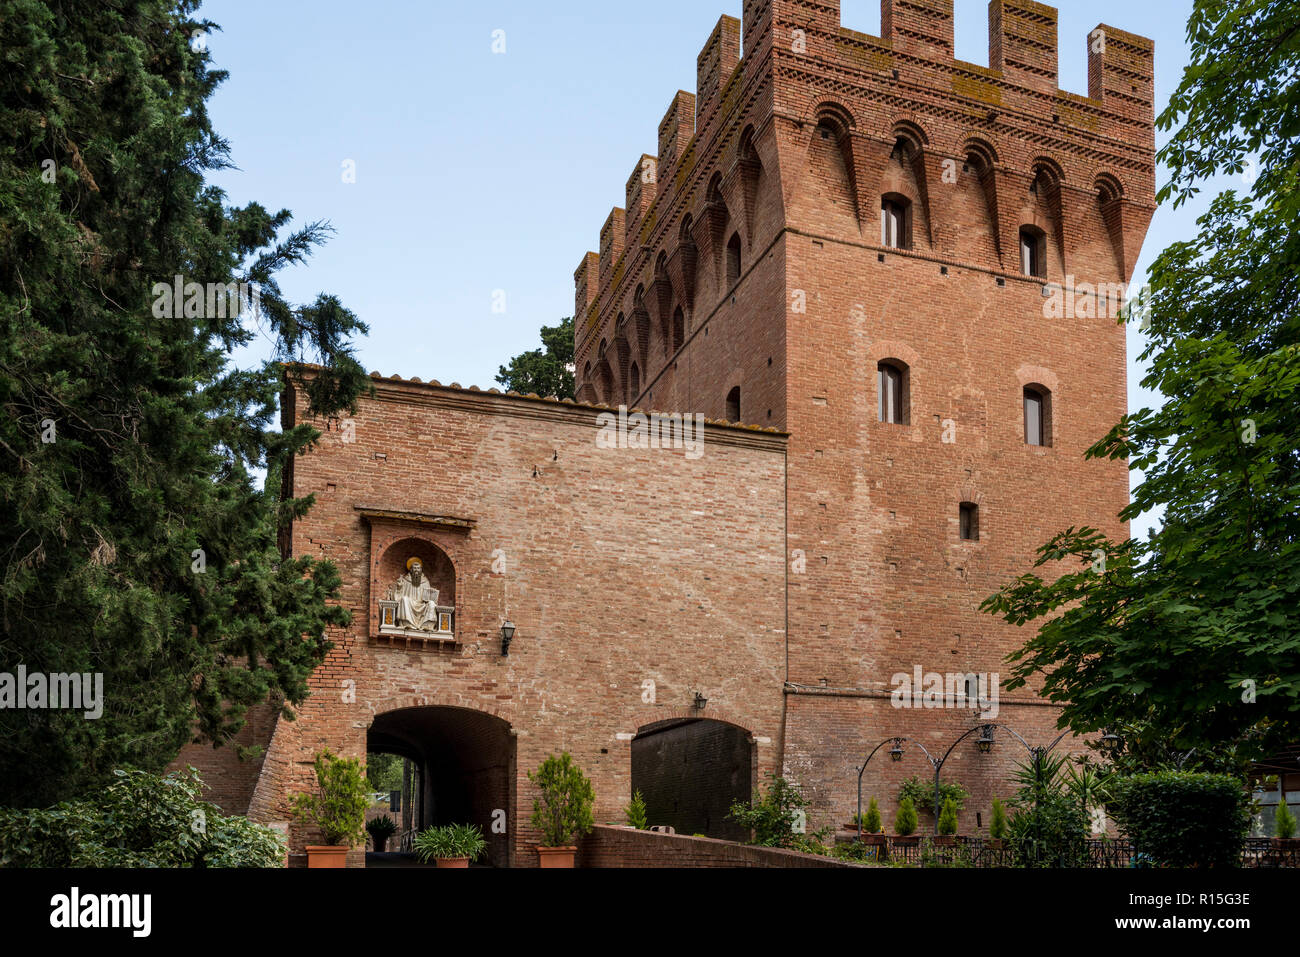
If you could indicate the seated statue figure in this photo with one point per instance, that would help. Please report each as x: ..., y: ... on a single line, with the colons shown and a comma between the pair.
x: 417, y: 599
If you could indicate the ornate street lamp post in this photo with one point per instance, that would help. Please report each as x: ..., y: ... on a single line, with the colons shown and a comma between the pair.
x: 895, y: 754
x: 984, y: 743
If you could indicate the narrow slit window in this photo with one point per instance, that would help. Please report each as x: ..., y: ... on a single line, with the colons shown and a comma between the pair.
x: 1038, y: 413
x: 1033, y: 251
x: 893, y: 224
x: 970, y: 522
x: 733, y: 405
x: 891, y: 395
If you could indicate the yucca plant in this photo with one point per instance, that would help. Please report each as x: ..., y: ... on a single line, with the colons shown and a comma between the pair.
x: 380, y: 830
x: 448, y: 842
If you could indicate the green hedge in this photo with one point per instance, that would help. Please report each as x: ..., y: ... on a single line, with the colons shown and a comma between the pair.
x: 1184, y: 819
x: 140, y: 820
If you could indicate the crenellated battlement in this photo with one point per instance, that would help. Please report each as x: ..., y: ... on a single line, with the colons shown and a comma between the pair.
x: 738, y: 142
x: 714, y: 66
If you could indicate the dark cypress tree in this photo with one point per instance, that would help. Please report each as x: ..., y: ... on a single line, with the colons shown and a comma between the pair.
x: 134, y: 540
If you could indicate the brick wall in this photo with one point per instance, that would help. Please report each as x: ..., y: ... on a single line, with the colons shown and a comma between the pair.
x: 816, y: 124
x: 624, y: 847
x: 618, y: 567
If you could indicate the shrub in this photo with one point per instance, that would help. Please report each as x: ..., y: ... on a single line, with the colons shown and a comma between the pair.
x: 451, y: 840
x: 1285, y: 821
x: 871, y: 823
x: 774, y: 816
x: 1050, y: 832
x: 635, y: 812
x: 853, y: 851
x: 563, y: 812
x: 948, y: 818
x: 1183, y: 818
x: 998, y: 829
x: 905, y: 820
x: 922, y: 793
x: 138, y: 820
x: 338, y: 807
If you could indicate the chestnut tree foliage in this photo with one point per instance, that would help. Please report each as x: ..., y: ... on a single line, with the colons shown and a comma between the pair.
x: 134, y: 539
x: 1193, y: 637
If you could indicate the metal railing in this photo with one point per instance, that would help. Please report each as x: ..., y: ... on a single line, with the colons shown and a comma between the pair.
x: 1101, y: 853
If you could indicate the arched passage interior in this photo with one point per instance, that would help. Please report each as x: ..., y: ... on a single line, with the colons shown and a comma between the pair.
x: 466, y: 763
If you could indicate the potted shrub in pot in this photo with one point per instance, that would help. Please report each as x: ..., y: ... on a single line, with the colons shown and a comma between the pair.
x: 453, y: 845
x: 337, y: 808
x: 905, y: 822
x: 999, y: 831
x: 563, y: 810
x: 1285, y: 829
x: 381, y: 829
x: 873, y: 833
x: 873, y: 829
x: 947, y: 836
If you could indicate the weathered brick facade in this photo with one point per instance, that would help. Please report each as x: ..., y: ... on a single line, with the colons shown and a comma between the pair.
x: 799, y: 563
x: 792, y: 151
x: 618, y: 566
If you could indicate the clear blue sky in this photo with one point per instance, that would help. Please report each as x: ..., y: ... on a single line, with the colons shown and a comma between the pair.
x: 478, y: 171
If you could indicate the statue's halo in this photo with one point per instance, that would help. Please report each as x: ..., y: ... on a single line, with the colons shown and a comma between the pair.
x: 412, y: 560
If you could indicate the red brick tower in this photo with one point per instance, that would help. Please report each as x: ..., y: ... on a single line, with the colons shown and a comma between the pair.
x: 868, y: 243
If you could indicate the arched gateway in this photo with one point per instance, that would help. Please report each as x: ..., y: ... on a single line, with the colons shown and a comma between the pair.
x: 464, y: 769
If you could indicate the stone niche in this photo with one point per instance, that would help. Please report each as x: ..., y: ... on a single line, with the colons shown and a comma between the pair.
x: 406, y: 609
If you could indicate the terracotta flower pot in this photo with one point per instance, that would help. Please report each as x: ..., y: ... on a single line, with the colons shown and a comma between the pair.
x: 911, y: 840
x: 945, y: 840
x: 451, y: 862
x: 874, y: 840
x: 556, y: 856
x: 327, y: 855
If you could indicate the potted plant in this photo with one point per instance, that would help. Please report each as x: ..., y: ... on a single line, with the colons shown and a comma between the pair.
x: 635, y: 812
x: 562, y: 812
x: 905, y: 822
x: 873, y: 829
x: 947, y: 836
x: 1284, y: 827
x: 381, y: 829
x: 453, y: 845
x: 999, y: 830
x: 337, y: 808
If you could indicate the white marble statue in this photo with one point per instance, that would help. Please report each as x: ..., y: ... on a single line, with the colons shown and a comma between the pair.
x: 417, y: 599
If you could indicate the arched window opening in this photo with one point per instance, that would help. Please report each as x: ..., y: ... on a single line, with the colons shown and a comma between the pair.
x: 733, y: 259
x: 1033, y: 252
x: 895, y: 222
x: 1038, y: 415
x: 733, y: 405
x: 891, y: 384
